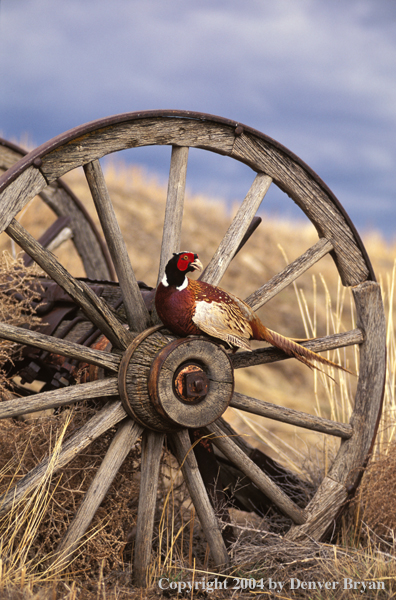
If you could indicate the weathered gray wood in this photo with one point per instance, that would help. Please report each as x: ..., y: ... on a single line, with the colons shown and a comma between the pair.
x: 269, y: 355
x: 199, y: 496
x: 18, y: 193
x: 136, y: 311
x: 370, y: 316
x: 239, y: 226
x: 321, y: 512
x: 95, y: 309
x: 299, y: 184
x: 171, y: 236
x: 291, y: 416
x: 124, y: 440
x: 219, y: 375
x: 56, y: 398
x: 294, y: 270
x: 64, y: 203
x: 254, y: 223
x: 295, y: 487
x: 63, y: 236
x: 106, y: 418
x: 86, y: 238
x: 8, y: 157
x: 134, y: 134
x: 134, y: 381
x: 152, y: 444
x: 233, y: 452
x: 59, y: 346
x: 238, y: 438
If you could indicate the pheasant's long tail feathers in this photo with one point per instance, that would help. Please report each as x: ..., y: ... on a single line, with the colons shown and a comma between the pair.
x: 292, y: 348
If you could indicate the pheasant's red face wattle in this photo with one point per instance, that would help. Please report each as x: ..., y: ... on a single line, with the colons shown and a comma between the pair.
x: 185, y: 259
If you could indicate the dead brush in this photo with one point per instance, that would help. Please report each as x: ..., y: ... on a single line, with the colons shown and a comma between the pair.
x: 282, y: 561
x: 16, y: 296
x: 375, y: 504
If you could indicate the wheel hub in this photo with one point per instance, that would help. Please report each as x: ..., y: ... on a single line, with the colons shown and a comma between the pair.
x: 167, y: 386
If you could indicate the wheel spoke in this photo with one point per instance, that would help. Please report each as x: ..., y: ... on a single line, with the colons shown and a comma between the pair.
x: 59, y: 346
x: 263, y: 356
x: 109, y: 416
x: 152, y: 443
x: 254, y: 223
x: 55, y: 398
x: 288, y: 415
x: 174, y: 206
x: 233, y: 452
x: 289, y: 274
x: 53, y: 237
x: 238, y: 438
x: 238, y: 228
x: 127, y: 434
x: 95, y: 309
x: 288, y: 481
x: 63, y: 236
x: 199, y: 496
x: 86, y: 238
x: 135, y: 308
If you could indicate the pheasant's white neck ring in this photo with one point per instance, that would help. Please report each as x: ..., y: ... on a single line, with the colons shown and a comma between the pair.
x: 183, y: 285
x: 180, y: 288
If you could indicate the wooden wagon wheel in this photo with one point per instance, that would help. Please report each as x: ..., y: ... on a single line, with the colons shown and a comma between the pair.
x: 144, y: 361
x: 73, y: 220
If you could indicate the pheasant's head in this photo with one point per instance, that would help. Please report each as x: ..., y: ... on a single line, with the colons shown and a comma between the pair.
x: 178, y: 266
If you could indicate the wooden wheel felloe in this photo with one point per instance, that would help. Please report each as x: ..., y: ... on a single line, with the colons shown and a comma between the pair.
x: 148, y: 372
x: 73, y: 220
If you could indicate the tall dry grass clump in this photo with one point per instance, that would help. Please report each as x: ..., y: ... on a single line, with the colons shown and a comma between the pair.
x: 316, y: 305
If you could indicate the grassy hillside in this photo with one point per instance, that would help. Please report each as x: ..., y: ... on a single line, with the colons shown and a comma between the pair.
x: 316, y: 306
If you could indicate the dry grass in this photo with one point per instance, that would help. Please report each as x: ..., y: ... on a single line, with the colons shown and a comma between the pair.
x: 16, y: 296
x: 317, y: 305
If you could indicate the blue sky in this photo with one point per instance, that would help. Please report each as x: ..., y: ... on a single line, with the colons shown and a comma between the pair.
x: 317, y: 76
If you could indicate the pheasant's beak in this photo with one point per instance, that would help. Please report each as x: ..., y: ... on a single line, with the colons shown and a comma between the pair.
x: 196, y: 265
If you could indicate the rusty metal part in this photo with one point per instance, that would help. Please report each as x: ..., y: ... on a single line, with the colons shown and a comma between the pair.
x: 191, y: 383
x: 94, y: 371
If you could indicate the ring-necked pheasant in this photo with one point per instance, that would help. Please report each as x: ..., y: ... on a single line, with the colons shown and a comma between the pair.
x: 189, y: 307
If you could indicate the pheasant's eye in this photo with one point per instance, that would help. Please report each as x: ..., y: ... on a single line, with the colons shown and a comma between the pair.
x: 185, y: 257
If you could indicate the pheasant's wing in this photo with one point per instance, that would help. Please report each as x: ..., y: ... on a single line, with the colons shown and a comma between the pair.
x: 223, y: 320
